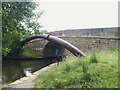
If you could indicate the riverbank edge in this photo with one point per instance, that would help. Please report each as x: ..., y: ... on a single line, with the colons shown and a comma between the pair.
x: 31, y: 78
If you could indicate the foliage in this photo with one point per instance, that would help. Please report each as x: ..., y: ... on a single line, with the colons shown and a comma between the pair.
x: 93, y: 58
x: 73, y: 74
x: 18, y: 22
x: 28, y: 52
x: 85, y: 65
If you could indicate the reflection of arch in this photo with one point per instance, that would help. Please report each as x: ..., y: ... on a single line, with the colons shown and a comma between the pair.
x: 56, y: 40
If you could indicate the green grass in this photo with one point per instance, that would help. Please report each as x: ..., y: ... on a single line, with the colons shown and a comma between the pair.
x: 28, y: 52
x: 98, y: 70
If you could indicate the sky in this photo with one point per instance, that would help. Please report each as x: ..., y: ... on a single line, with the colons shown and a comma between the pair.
x: 62, y: 15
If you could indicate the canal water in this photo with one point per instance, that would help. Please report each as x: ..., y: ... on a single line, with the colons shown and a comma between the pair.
x: 13, y: 69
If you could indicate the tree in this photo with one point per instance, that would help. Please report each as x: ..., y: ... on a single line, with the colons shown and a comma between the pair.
x: 17, y: 24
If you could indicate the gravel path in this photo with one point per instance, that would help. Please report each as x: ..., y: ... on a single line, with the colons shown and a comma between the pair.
x: 27, y: 82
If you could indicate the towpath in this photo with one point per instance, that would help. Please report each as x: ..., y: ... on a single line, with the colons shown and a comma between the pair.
x: 27, y: 82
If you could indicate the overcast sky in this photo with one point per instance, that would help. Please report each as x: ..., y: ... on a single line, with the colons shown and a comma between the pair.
x: 78, y: 15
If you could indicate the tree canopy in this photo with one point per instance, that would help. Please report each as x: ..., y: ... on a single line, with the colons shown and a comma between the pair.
x: 18, y: 22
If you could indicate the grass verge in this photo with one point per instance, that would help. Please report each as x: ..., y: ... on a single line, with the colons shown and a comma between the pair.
x: 98, y: 70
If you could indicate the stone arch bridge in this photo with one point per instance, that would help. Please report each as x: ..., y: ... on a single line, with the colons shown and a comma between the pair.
x: 50, y: 44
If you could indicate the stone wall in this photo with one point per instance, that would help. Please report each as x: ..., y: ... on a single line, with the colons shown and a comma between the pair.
x: 103, y: 32
x: 83, y: 43
x: 92, y: 43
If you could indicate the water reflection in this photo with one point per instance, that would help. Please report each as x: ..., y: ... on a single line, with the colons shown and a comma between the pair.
x: 27, y: 71
x: 13, y: 70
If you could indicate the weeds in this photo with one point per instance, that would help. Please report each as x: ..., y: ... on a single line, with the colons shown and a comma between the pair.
x: 93, y: 58
x: 85, y: 66
x: 81, y: 73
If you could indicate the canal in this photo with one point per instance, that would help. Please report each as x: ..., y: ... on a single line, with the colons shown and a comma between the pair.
x: 15, y: 69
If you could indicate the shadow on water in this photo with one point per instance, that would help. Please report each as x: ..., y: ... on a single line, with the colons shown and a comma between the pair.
x: 13, y: 69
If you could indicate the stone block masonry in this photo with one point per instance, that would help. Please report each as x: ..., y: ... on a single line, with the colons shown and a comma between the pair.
x: 92, y: 43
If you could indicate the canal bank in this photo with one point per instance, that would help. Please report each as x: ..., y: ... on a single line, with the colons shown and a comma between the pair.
x: 13, y: 70
x: 27, y: 82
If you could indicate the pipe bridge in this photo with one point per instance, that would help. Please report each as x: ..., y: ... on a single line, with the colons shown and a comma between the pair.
x: 55, y: 43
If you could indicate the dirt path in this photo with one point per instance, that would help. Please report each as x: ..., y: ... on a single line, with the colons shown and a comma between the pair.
x: 27, y: 82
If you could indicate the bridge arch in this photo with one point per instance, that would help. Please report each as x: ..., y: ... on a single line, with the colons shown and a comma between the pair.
x: 58, y: 41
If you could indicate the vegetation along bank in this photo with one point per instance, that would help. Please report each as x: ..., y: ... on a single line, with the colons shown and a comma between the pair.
x: 98, y: 70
